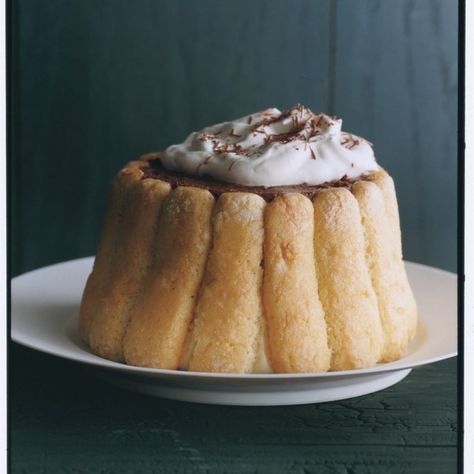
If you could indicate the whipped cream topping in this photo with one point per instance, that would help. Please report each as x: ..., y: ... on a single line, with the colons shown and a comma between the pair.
x: 273, y: 148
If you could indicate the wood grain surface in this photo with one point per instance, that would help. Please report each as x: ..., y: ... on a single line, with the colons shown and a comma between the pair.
x: 396, y: 84
x: 65, y: 421
x: 96, y: 83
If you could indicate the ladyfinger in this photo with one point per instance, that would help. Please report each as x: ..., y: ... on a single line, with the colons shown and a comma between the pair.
x: 160, y: 318
x: 135, y: 236
x: 297, y: 336
x: 228, y: 315
x: 345, y: 288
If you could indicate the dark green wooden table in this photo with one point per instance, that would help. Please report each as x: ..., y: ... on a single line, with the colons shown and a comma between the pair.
x: 96, y: 83
x: 65, y: 421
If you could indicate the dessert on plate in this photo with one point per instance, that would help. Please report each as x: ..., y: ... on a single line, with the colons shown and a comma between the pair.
x: 270, y: 243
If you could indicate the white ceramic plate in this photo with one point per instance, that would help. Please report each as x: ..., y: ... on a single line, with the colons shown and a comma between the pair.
x: 44, y: 316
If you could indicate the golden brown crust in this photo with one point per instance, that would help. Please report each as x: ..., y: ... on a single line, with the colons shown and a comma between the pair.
x: 135, y: 235
x: 133, y: 165
x: 386, y: 272
x: 297, y: 335
x: 345, y: 289
x: 385, y: 182
x: 99, y: 280
x: 404, y: 292
x: 228, y: 313
x: 160, y: 319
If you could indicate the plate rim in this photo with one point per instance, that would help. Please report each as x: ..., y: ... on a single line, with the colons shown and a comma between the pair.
x: 102, y: 363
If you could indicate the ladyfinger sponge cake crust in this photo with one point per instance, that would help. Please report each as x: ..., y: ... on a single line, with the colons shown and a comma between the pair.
x: 270, y: 243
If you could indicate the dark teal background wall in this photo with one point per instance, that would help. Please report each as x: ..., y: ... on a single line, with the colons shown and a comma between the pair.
x: 98, y: 82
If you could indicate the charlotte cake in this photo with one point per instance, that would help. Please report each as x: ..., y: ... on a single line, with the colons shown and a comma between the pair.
x: 270, y: 243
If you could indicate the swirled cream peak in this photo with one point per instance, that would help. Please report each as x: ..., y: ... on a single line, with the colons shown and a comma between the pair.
x: 273, y: 148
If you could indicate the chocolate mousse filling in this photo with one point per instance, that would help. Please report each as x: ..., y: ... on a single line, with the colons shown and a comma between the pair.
x: 153, y: 168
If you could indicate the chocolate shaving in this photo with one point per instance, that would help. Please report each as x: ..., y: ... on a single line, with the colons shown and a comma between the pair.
x: 228, y: 148
x: 204, y: 137
x: 205, y: 162
x: 304, y: 126
x: 349, y: 141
